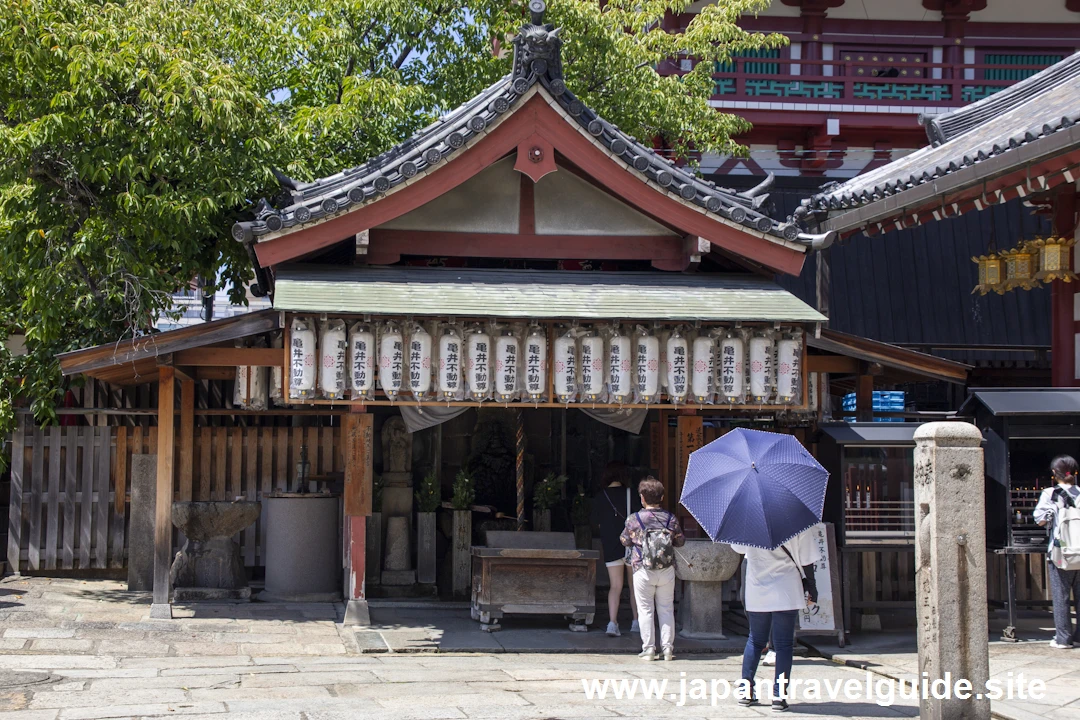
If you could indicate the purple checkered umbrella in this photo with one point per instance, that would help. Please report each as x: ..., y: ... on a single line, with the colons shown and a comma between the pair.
x: 754, y: 488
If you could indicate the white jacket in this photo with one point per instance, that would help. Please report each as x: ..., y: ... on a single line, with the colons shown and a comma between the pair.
x: 773, y: 581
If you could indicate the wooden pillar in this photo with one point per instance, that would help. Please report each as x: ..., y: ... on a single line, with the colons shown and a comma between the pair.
x: 689, y: 429
x: 163, y: 505
x: 1063, y: 313
x: 187, y: 437
x: 864, y: 398
x: 356, y: 432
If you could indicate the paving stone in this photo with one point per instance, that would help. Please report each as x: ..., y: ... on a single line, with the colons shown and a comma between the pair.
x: 111, y: 673
x: 128, y: 711
x: 241, y: 670
x: 188, y: 649
x: 331, y: 677
x: 129, y: 648
x: 42, y: 632
x: 370, y: 713
x: 13, y: 643
x: 167, y: 681
x: 90, y: 698
x: 289, y: 648
x: 31, y: 715
x: 231, y: 695
x: 185, y: 662
x: 66, y: 645
x: 48, y: 662
x: 457, y: 699
x: 158, y: 626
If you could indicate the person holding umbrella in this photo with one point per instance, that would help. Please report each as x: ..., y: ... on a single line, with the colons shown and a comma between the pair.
x: 760, y: 492
x: 779, y: 583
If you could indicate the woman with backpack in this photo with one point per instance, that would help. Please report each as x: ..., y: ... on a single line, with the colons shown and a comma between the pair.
x: 779, y: 583
x: 652, y: 534
x: 610, y: 508
x: 1057, y: 507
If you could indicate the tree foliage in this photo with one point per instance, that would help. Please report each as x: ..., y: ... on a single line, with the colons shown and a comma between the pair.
x: 133, y: 134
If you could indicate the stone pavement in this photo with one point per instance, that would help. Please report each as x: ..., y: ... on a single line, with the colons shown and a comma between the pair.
x: 893, y: 655
x: 85, y: 649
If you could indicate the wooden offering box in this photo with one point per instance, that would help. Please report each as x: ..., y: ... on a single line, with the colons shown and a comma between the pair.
x: 540, y: 573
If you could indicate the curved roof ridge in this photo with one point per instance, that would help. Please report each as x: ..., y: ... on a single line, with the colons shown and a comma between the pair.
x: 954, y: 123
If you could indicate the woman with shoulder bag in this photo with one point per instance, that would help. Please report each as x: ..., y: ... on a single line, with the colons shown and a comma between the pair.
x: 779, y: 583
x: 610, y: 508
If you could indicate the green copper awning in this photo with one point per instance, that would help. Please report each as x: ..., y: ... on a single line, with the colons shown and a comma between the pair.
x: 537, y: 294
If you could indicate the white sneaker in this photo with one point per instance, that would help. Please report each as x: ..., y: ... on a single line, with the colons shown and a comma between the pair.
x: 634, y: 627
x: 613, y: 630
x: 769, y: 659
x: 648, y: 655
x: 1054, y: 644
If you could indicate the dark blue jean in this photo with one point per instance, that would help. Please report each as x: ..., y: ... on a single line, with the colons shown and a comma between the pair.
x: 781, y: 626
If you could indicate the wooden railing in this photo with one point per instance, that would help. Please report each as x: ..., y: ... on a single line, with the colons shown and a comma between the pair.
x: 764, y: 79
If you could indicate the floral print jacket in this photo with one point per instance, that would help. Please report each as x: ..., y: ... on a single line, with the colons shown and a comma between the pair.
x: 633, y: 534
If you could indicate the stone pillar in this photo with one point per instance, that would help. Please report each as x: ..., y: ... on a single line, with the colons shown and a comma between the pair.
x: 950, y: 566
x: 141, y: 527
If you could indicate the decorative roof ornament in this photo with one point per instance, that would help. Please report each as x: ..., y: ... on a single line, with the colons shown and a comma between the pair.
x: 538, y: 53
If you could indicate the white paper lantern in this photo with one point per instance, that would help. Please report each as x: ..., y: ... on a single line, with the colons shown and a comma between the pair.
x: 677, y: 360
x: 277, y: 373
x: 302, y: 358
x: 566, y: 364
x: 761, y: 361
x: 701, y: 377
x: 249, y: 392
x: 361, y: 360
x: 733, y: 369
x: 592, y: 367
x: 787, y: 369
x: 478, y: 363
x: 647, y: 368
x: 507, y: 360
x: 535, y: 364
x: 419, y: 362
x: 333, y: 349
x: 450, y: 365
x: 620, y: 368
x: 391, y: 361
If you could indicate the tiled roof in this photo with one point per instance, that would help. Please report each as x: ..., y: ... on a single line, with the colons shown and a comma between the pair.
x: 537, y: 60
x: 982, y: 141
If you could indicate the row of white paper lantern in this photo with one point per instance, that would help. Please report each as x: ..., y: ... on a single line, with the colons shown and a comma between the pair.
x: 506, y: 364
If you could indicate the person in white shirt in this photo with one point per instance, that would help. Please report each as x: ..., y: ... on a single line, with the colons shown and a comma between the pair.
x: 1062, y: 582
x: 774, y: 595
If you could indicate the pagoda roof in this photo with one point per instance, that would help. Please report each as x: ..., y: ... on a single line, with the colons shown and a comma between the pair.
x: 537, y: 69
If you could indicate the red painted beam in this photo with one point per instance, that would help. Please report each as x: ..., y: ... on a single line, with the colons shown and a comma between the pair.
x: 387, y: 246
x: 536, y: 116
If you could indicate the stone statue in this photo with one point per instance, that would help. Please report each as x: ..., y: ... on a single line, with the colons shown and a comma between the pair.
x: 396, y: 447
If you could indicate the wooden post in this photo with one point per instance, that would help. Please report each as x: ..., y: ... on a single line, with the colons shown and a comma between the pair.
x: 864, y: 398
x: 689, y: 439
x: 163, y: 507
x: 519, y: 468
x: 357, y: 431
x: 187, y: 437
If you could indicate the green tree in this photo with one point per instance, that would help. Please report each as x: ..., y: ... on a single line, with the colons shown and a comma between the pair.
x: 133, y: 134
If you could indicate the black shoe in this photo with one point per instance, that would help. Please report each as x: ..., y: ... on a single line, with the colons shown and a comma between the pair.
x: 748, y: 701
x: 779, y: 705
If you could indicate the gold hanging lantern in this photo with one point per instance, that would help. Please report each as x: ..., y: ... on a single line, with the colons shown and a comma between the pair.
x: 1020, y: 267
x: 990, y: 277
x: 1054, y: 259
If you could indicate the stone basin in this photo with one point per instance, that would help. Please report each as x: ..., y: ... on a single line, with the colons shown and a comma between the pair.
x: 702, y: 560
x: 204, y: 521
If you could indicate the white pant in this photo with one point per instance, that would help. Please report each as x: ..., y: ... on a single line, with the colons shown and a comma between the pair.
x: 656, y: 589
